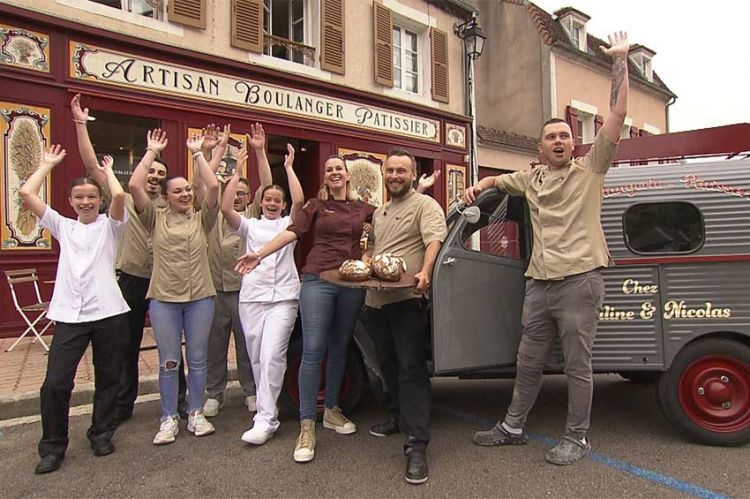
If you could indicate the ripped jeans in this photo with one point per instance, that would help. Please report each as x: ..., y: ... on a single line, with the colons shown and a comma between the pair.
x: 168, y: 321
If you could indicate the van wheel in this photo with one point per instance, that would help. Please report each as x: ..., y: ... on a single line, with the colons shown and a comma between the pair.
x: 351, y: 386
x: 640, y: 376
x: 706, y: 391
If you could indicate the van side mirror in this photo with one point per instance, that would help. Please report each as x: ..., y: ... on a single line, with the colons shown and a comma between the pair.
x: 472, y: 214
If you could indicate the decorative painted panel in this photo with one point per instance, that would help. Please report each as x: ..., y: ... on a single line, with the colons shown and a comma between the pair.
x: 25, y: 133
x: 455, y: 136
x: 25, y: 49
x: 228, y: 163
x: 455, y: 184
x: 366, y: 170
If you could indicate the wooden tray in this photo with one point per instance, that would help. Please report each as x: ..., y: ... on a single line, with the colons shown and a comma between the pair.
x: 406, y: 282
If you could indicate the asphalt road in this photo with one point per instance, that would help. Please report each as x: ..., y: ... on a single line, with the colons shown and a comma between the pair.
x: 635, y: 454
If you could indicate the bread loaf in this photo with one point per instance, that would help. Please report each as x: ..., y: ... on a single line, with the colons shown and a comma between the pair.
x: 354, y: 270
x: 389, y: 267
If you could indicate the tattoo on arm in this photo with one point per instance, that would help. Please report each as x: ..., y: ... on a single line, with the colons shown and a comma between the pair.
x: 618, y: 75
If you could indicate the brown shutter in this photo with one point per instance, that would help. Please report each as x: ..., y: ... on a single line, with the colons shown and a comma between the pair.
x: 598, y: 122
x: 571, y: 116
x: 439, y: 54
x: 188, y: 12
x: 247, y: 25
x: 383, y: 29
x: 332, y: 36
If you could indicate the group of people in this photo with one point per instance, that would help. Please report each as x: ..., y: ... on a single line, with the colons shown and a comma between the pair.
x: 206, y: 263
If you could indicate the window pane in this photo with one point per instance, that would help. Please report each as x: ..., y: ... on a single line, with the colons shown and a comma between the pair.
x: 396, y: 77
x: 396, y: 36
x: 498, y: 228
x: 411, y: 82
x: 141, y: 7
x: 297, y: 9
x: 298, y: 32
x: 280, y: 18
x: 109, y: 3
x: 412, y: 62
x: 411, y: 40
x: 674, y: 227
x: 396, y: 58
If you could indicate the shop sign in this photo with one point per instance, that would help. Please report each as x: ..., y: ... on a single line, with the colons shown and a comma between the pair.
x: 115, y: 68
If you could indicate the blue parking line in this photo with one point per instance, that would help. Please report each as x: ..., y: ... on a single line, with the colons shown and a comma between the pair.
x: 652, y: 476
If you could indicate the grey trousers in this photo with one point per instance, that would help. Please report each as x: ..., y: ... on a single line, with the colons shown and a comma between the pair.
x: 568, y: 308
x: 227, y: 321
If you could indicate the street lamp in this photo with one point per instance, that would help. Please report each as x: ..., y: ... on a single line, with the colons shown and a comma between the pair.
x: 470, y: 32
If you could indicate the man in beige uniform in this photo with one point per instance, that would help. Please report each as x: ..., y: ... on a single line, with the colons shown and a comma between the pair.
x: 412, y: 226
x: 224, y: 248
x: 565, y: 288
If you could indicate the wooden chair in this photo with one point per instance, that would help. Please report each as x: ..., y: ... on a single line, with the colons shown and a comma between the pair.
x: 33, y: 313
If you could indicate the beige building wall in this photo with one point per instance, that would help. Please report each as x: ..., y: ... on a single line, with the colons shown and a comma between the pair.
x: 504, y: 160
x: 591, y: 86
x: 215, y: 40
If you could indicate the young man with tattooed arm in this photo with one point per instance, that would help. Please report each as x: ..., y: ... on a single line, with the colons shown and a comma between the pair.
x: 565, y: 288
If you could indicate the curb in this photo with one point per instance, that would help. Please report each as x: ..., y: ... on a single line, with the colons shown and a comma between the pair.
x: 27, y: 404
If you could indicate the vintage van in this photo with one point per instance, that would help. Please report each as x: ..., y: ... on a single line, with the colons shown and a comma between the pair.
x: 677, y: 306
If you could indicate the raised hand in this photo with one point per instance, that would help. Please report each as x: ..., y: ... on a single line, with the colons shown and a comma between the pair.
x: 426, y: 182
x: 224, y: 135
x: 241, y: 160
x: 78, y: 113
x: 156, y: 140
x: 210, y: 134
x: 194, y: 143
x: 619, y: 44
x: 107, y: 163
x: 289, y: 156
x: 53, y: 155
x: 247, y: 262
x: 257, y: 137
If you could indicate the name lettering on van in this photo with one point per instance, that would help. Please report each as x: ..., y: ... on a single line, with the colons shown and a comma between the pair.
x: 633, y: 287
x: 696, y: 182
x: 674, y: 309
x: 631, y: 189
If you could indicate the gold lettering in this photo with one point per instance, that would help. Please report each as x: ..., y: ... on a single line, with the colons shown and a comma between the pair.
x: 633, y: 287
x: 674, y: 309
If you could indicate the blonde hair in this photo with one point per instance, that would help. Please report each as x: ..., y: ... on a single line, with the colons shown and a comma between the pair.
x: 325, y: 193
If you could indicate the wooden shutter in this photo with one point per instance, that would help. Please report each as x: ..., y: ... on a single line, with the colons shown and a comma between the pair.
x: 247, y: 25
x: 598, y: 122
x: 439, y: 54
x: 332, y: 36
x: 571, y: 116
x: 188, y: 12
x: 383, y: 30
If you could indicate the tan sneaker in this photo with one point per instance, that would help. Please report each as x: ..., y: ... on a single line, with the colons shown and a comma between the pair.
x: 198, y: 425
x: 333, y: 419
x: 167, y: 431
x: 304, y: 451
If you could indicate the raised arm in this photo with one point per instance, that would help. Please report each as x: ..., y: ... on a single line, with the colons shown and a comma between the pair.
x: 233, y: 218
x: 257, y: 140
x: 295, y: 188
x: 156, y: 142
x: 85, y: 148
x: 425, y: 183
x: 618, y: 98
x: 29, y: 191
x: 116, y: 192
x: 202, y: 173
x: 471, y: 192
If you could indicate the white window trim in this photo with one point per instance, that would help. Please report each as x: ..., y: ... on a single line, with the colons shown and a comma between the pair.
x: 582, y: 45
x: 651, y: 128
x: 122, y: 15
x: 420, y: 68
x: 582, y: 106
x: 410, y: 14
x: 625, y: 132
x: 285, y: 65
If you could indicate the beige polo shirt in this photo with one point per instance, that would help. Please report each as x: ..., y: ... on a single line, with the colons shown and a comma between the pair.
x: 565, y: 206
x: 224, y: 248
x: 135, y: 254
x: 181, y: 272
x: 405, y: 228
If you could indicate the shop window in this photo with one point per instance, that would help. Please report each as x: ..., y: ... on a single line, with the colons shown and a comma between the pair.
x: 405, y: 59
x: 148, y: 8
x: 671, y: 227
x: 500, y: 228
x: 121, y: 136
x: 285, y: 27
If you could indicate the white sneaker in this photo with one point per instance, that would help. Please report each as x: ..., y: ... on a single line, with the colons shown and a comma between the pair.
x: 167, y: 431
x: 211, y: 408
x: 256, y: 436
x: 250, y: 402
x: 198, y: 424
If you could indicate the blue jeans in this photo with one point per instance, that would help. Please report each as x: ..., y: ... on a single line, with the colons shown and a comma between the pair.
x: 168, y: 321
x: 329, y: 313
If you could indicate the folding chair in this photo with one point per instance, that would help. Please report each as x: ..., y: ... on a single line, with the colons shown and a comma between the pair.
x: 16, y: 277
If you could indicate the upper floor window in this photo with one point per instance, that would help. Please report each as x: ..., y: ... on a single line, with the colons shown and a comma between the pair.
x: 284, y: 28
x: 148, y: 8
x: 405, y: 59
x: 668, y: 227
x: 647, y: 69
x: 576, y: 35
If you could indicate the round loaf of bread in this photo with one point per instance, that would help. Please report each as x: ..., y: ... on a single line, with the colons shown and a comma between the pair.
x: 354, y: 270
x: 389, y: 267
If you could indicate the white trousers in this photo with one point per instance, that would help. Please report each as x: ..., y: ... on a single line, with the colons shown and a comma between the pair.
x: 267, y: 328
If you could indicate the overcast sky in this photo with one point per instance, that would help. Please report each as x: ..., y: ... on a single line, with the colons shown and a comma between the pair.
x: 702, y: 51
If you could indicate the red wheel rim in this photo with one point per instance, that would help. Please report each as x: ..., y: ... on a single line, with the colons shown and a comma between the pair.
x: 715, y: 393
x: 291, y: 382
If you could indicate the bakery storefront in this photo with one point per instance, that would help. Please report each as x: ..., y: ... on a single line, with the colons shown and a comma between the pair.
x: 131, y: 86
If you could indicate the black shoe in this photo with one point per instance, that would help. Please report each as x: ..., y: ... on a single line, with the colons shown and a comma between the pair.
x: 49, y: 463
x: 386, y: 428
x: 121, y: 417
x: 416, y: 466
x: 102, y: 447
x: 498, y: 436
x: 182, y: 412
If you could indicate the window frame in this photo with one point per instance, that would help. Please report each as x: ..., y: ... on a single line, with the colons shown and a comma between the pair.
x: 307, y: 20
x: 629, y: 246
x: 403, y: 30
x: 127, y: 6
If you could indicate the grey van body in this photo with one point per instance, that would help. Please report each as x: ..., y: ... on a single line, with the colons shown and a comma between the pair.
x: 677, y: 306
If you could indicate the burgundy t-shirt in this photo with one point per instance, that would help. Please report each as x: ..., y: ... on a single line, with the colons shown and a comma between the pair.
x: 336, y: 227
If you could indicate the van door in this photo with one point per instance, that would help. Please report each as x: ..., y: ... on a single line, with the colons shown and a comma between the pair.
x: 478, y: 287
